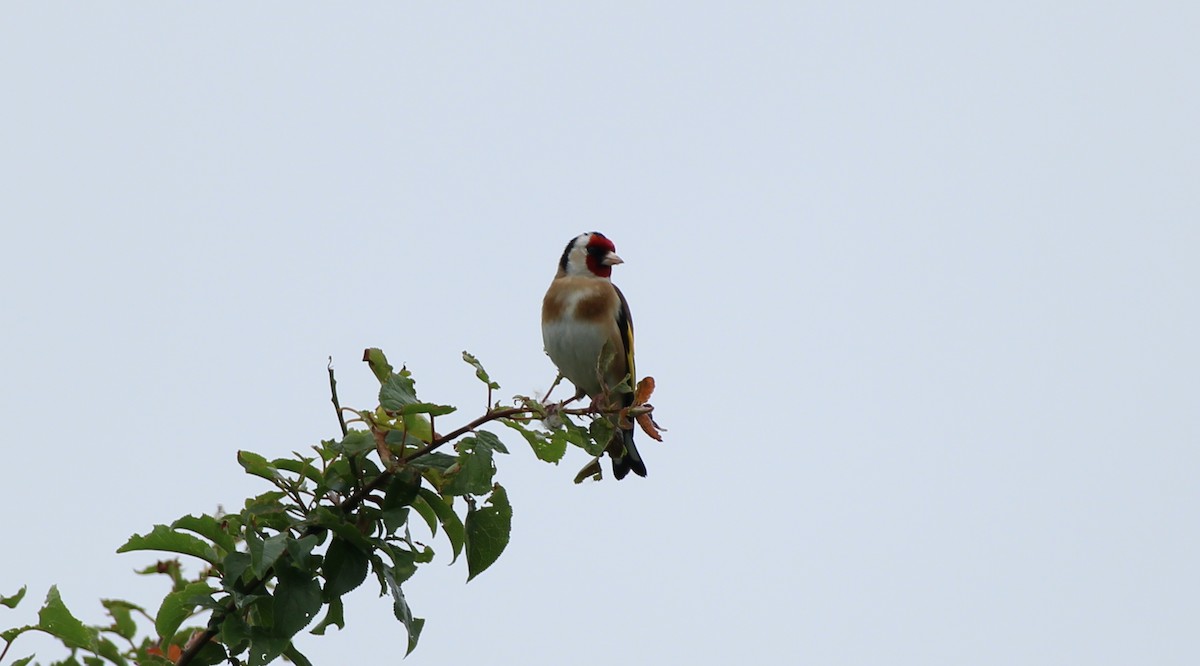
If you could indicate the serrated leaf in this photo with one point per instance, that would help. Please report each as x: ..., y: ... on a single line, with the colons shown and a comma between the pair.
x: 487, y: 532
x: 591, y: 470
x: 475, y: 469
x: 404, y: 561
x: 335, y: 522
x: 542, y: 443
x: 435, y: 460
x: 425, y: 511
x: 233, y: 566
x: 300, y: 549
x: 265, y: 552
x: 209, y: 528
x: 379, y: 364
x: 235, y: 633
x: 15, y: 599
x: 297, y: 601
x: 257, y: 465
x: 399, y: 390
x: 450, y: 521
x: 164, y: 538
x: 480, y: 372
x: 344, y: 569
x: 412, y: 625
x: 293, y: 655
x: 303, y: 468
x: 122, y: 615
x: 401, y: 490
x: 400, y: 493
x: 601, y: 431
x: 265, y: 648
x: 177, y: 606
x: 426, y: 408
x: 111, y: 652
x: 333, y: 617
x: 355, y: 442
x: 490, y: 440
x: 211, y: 654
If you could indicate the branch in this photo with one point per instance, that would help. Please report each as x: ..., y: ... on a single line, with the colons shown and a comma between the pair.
x: 333, y: 391
x: 198, y: 642
x: 354, y: 500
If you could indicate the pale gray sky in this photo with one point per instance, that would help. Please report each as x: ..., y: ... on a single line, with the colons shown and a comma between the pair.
x: 917, y: 281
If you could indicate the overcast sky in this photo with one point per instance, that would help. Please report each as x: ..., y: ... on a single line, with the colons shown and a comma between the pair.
x: 918, y: 282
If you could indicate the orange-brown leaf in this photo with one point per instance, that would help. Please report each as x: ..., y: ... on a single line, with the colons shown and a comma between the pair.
x: 649, y: 426
x: 644, y: 389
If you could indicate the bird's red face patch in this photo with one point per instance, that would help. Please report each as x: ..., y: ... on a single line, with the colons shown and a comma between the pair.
x: 598, y: 248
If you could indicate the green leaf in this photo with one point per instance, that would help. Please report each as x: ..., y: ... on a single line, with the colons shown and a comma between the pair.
x: 435, y: 460
x: 209, y: 528
x: 297, y: 601
x: 335, y: 522
x: 24, y: 662
x: 394, y: 518
x: 301, y: 548
x: 591, y: 470
x: 580, y: 437
x: 490, y: 440
x: 233, y: 566
x: 293, y: 655
x: 404, y: 561
x: 265, y: 552
x: 399, y: 390
x: 178, y: 606
x: 165, y: 539
x: 543, y: 446
x: 450, y: 521
x: 267, y: 511
x: 8, y: 635
x: 210, y: 654
x: 299, y: 466
x: 480, y: 372
x: 601, y: 431
x: 344, y: 568
x: 426, y: 408
x: 121, y: 612
x: 235, y: 633
x: 403, y: 613
x: 356, y: 442
x: 422, y: 507
x: 401, y: 491
x: 265, y: 648
x: 475, y: 469
x: 333, y: 617
x: 110, y: 651
x: 258, y: 466
x: 487, y: 532
x: 379, y: 363
x: 15, y: 599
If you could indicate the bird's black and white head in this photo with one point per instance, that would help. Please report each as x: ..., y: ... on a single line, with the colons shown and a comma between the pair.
x: 589, y: 254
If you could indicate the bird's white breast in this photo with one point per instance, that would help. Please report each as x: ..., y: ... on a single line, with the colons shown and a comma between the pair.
x: 575, y: 346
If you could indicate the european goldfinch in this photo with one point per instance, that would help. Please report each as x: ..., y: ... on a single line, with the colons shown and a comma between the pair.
x: 583, y: 311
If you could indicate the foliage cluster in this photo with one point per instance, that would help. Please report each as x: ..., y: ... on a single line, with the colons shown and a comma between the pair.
x: 333, y: 517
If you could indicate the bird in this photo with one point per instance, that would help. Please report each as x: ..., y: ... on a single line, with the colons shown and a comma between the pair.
x: 583, y: 313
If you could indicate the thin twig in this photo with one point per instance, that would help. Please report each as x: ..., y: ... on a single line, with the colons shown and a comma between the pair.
x: 333, y: 391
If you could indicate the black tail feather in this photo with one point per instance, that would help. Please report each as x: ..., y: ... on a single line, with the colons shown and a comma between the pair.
x: 628, y: 460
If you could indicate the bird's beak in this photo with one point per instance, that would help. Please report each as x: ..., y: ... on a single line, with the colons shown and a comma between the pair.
x: 611, y: 259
